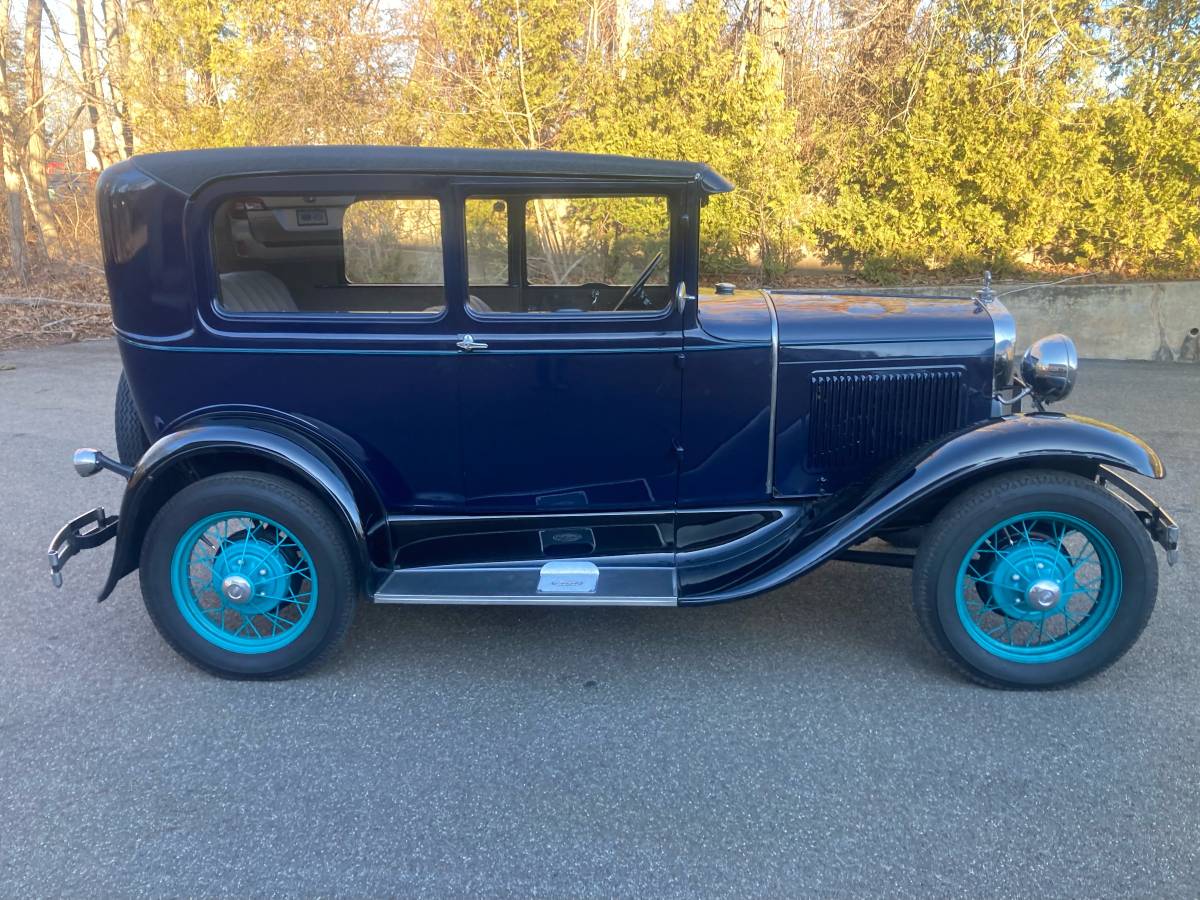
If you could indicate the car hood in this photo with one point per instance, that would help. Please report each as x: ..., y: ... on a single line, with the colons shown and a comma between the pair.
x: 808, y: 318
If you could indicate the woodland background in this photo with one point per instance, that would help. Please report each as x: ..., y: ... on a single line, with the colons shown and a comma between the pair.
x: 897, y: 139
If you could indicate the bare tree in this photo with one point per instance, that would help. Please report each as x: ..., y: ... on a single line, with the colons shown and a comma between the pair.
x: 92, y: 88
x: 37, y: 180
x: 772, y: 27
x: 10, y: 142
x: 116, y: 46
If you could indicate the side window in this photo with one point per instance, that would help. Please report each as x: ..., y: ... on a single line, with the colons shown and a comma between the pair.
x: 329, y: 254
x: 595, y: 240
x: 487, y: 240
x: 599, y: 254
x: 393, y: 241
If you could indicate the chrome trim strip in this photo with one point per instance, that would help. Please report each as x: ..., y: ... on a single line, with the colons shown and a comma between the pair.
x: 549, y: 600
x: 525, y: 585
x: 1004, y: 337
x: 418, y: 518
x: 774, y: 392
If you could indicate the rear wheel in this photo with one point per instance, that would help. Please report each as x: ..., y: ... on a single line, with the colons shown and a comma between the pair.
x: 1034, y: 580
x: 248, y: 576
x: 132, y: 441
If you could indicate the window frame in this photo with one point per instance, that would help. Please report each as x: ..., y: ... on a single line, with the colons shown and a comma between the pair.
x: 524, y: 189
x: 222, y: 322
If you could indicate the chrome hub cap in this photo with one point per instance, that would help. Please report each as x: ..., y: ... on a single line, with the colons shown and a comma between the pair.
x: 1044, y: 594
x: 236, y: 588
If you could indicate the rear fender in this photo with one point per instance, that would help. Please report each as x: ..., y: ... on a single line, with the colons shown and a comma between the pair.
x: 208, y: 447
x: 931, y: 475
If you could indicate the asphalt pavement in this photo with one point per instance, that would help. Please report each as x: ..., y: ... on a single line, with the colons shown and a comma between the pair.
x: 806, y: 742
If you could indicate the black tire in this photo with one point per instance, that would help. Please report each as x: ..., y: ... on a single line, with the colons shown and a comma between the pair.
x: 299, y: 512
x: 132, y: 441
x: 965, y: 520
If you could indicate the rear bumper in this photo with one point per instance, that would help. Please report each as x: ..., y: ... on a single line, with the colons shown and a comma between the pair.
x: 1157, y: 520
x: 84, y: 532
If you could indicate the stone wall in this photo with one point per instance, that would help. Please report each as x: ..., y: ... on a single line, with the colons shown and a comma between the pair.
x: 1158, y: 320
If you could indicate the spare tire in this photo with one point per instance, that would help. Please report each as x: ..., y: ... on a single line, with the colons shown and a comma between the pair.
x: 132, y: 441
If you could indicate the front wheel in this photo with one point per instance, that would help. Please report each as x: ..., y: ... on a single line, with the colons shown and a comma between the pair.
x: 1034, y: 580
x: 248, y: 576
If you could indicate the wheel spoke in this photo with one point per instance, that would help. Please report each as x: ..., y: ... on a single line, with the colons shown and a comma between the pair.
x: 1062, y: 547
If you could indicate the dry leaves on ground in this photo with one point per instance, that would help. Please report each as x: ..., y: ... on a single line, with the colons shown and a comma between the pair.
x: 54, y: 307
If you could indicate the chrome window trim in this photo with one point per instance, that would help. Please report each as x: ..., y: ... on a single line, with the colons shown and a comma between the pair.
x: 774, y: 392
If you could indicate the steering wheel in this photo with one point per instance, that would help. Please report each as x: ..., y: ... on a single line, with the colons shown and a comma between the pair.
x: 636, y: 287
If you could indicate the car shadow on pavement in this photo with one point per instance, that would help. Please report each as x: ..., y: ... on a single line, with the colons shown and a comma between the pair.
x: 840, y: 617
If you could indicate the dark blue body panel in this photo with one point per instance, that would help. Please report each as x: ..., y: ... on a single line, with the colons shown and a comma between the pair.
x: 804, y: 537
x: 255, y: 442
x: 797, y: 474
x: 727, y: 401
x: 393, y: 412
x: 808, y: 319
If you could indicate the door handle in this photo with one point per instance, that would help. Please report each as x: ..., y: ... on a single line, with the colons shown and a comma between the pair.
x: 469, y: 343
x: 682, y: 296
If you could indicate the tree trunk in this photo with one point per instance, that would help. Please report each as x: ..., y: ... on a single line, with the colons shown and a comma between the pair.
x: 93, y: 89
x: 623, y: 25
x: 10, y: 160
x: 117, y: 46
x: 772, y: 31
x: 37, y: 180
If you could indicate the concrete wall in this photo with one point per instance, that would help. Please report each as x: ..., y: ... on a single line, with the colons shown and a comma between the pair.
x: 1140, y: 320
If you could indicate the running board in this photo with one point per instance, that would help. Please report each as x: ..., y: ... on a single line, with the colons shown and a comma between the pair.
x: 564, y: 582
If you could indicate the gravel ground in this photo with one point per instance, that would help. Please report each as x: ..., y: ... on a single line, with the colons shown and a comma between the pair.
x: 804, y: 742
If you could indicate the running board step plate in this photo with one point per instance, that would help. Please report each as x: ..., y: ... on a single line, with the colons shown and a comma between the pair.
x: 564, y: 582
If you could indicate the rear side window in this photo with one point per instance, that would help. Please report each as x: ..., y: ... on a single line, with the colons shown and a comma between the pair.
x: 394, y: 241
x: 330, y: 254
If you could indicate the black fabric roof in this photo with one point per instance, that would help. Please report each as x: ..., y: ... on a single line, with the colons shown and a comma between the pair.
x: 189, y: 170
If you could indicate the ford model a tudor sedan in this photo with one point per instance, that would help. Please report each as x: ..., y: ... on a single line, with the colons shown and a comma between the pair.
x: 452, y: 376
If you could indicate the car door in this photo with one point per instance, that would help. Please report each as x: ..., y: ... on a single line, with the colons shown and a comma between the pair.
x: 568, y: 402
x: 327, y: 304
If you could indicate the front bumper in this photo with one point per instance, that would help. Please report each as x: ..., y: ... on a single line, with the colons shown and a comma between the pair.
x: 1157, y: 520
x: 82, y: 533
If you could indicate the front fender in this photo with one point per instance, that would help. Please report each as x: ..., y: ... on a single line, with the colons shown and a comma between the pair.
x: 214, y: 446
x: 949, y: 465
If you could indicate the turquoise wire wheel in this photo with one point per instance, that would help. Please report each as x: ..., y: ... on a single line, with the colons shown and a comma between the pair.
x: 1035, y: 579
x: 248, y: 576
x: 244, y: 582
x: 1038, y: 586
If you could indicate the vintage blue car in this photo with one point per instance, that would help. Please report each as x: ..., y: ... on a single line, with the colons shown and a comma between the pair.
x: 490, y: 377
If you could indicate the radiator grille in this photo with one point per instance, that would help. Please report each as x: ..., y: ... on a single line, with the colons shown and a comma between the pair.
x: 860, y: 418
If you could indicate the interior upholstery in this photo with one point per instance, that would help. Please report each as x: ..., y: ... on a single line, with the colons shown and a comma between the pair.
x: 255, y: 292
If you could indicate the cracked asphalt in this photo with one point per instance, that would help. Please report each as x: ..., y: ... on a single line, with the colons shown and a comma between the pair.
x: 807, y: 742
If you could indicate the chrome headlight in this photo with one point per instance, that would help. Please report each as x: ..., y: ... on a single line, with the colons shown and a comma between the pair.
x: 1004, y: 333
x: 1049, y: 368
